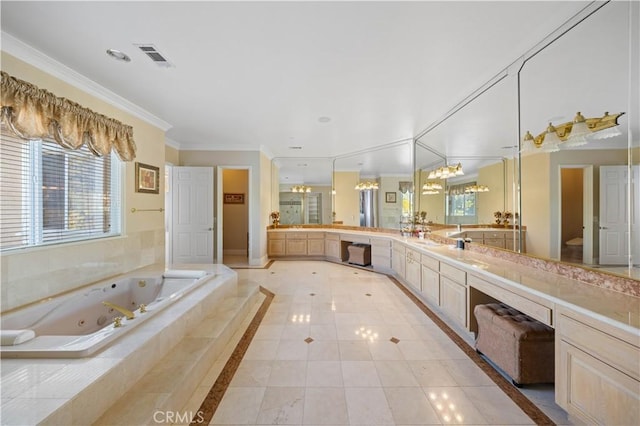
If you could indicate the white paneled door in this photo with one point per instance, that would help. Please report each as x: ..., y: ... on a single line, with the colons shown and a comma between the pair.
x: 617, y: 203
x: 192, y: 215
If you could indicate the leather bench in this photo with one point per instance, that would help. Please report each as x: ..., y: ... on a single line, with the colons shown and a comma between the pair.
x: 519, y: 345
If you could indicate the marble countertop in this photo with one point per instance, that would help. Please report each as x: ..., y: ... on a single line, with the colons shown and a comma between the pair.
x: 613, y: 307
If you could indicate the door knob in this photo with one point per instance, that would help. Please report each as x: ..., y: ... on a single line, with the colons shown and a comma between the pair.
x: 210, y: 229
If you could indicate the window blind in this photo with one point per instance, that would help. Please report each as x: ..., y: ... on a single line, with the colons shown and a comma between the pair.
x: 49, y: 194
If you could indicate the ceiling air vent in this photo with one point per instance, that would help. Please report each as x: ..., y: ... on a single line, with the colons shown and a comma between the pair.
x: 157, y: 57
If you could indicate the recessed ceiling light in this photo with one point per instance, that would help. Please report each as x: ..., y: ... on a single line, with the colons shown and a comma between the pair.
x: 295, y: 147
x: 324, y: 119
x: 302, y: 164
x: 120, y: 56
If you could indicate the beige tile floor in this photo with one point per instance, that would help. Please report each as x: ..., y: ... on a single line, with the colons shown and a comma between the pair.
x: 370, y: 357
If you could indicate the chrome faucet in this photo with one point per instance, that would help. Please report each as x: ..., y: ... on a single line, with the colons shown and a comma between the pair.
x: 126, y: 312
x: 459, y: 227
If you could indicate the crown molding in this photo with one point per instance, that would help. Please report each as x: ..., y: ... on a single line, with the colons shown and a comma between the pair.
x: 170, y: 142
x: 217, y: 147
x: 36, y: 58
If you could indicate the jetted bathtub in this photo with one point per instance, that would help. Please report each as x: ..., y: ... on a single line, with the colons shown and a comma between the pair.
x: 79, y: 324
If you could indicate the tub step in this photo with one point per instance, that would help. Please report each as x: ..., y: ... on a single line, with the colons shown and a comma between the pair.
x: 167, y: 387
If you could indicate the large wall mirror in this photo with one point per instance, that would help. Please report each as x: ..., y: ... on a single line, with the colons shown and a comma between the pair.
x: 577, y: 194
x: 374, y: 188
x: 478, y: 138
x: 302, y: 190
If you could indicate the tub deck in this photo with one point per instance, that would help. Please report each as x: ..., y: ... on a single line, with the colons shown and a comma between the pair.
x: 79, y: 391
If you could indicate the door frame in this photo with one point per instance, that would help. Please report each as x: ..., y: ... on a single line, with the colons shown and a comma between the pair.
x: 588, y: 237
x: 218, y: 219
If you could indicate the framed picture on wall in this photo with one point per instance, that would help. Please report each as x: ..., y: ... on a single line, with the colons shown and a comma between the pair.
x: 390, y: 197
x: 147, y: 178
x: 233, y: 198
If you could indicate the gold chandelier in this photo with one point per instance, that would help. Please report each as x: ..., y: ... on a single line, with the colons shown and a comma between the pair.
x: 446, y: 172
x: 300, y: 188
x: 363, y: 186
x: 476, y: 188
x: 573, y: 133
x: 431, y: 188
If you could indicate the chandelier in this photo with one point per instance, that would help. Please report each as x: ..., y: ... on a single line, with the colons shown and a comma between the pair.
x: 431, y: 188
x: 446, y: 172
x: 573, y: 133
x: 363, y: 186
x: 476, y: 188
x: 300, y: 188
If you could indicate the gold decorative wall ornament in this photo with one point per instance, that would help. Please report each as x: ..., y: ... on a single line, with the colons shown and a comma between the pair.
x: 572, y: 133
x: 34, y: 113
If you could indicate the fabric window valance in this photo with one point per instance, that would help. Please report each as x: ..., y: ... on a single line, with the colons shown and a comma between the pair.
x: 34, y: 113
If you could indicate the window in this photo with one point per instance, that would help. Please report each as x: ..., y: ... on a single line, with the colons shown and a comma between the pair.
x: 49, y: 194
x: 461, y: 204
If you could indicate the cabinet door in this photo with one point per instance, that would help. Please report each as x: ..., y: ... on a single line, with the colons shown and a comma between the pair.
x: 412, y: 269
x: 431, y: 285
x: 381, y: 254
x: 593, y: 391
x: 315, y: 247
x: 332, y: 249
x: 296, y: 247
x: 454, y: 300
x: 398, y: 263
x: 276, y: 247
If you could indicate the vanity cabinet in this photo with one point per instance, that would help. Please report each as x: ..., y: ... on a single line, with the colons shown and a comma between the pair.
x: 332, y: 247
x: 413, y: 269
x: 276, y: 244
x: 597, y: 370
x: 315, y: 244
x: 295, y: 244
x: 430, y: 278
x: 398, y: 262
x: 500, y: 238
x: 453, y: 293
x: 381, y: 254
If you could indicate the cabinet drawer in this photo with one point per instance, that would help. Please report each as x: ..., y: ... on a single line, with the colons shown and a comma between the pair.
x: 332, y: 237
x: 430, y: 262
x: 413, y: 256
x: 493, y: 235
x: 454, y: 273
x: 494, y: 242
x: 277, y: 235
x: 377, y: 242
x: 315, y: 235
x: 529, y: 307
x: 296, y: 235
x: 474, y: 235
x: 615, y: 352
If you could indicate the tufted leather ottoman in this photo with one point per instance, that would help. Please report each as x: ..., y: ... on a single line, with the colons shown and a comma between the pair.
x: 521, y: 346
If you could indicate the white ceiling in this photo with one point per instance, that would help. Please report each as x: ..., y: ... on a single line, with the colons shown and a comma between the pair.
x: 259, y: 75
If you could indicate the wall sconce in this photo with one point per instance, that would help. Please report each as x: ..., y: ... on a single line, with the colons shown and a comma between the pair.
x: 446, y: 172
x: 573, y: 133
x: 300, y: 188
x: 476, y: 188
x: 363, y: 186
x: 430, y: 188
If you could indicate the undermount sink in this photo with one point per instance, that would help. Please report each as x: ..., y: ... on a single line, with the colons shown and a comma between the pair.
x: 429, y: 243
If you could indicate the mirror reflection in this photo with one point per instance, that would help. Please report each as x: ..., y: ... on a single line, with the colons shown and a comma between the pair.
x: 575, y: 193
x: 304, y: 190
x: 374, y: 188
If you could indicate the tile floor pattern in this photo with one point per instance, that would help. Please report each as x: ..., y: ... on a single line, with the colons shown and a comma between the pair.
x: 345, y: 346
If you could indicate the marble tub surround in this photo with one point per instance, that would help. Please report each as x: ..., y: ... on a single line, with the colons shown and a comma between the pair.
x: 78, y: 391
x: 30, y: 275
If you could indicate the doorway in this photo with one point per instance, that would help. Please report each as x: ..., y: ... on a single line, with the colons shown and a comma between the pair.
x: 576, y: 238
x: 233, y: 223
